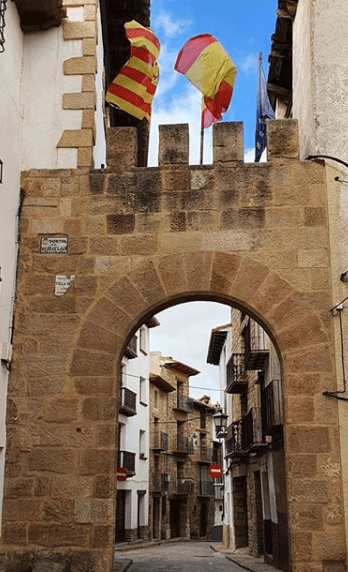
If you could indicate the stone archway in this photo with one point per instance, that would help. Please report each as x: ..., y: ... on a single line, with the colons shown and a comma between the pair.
x: 140, y: 240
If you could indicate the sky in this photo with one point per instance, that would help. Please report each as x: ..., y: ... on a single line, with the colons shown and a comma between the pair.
x: 244, y: 29
x: 184, y: 334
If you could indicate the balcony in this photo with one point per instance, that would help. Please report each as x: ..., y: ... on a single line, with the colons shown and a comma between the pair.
x: 184, y: 486
x: 217, y: 456
x: 160, y: 482
x: 236, y: 377
x: 131, y: 349
x: 205, y: 455
x: 39, y: 15
x: 272, y: 414
x: 256, y: 353
x: 207, y: 488
x: 219, y: 492
x: 160, y: 441
x: 184, y: 403
x: 243, y: 441
x: 182, y: 445
x: 127, y: 461
x: 128, y: 404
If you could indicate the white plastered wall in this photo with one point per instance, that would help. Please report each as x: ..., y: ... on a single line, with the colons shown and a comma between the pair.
x: 43, y: 85
x: 11, y: 115
x: 133, y: 370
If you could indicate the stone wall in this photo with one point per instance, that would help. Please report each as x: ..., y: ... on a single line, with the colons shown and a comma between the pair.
x: 254, y: 236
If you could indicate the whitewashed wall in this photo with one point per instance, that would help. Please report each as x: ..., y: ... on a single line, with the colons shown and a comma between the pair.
x: 11, y: 118
x: 134, y: 369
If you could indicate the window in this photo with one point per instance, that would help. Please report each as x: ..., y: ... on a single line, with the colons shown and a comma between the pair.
x: 123, y: 375
x: 156, y: 399
x: 142, y: 444
x: 142, y: 391
x: 143, y: 340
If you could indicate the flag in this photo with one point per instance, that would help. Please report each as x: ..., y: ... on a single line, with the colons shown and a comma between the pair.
x: 264, y: 111
x: 134, y: 87
x: 208, y: 67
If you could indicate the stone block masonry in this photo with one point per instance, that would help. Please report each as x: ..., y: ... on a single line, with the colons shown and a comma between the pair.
x: 254, y: 236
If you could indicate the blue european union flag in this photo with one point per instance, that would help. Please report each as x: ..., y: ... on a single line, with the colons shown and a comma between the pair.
x: 264, y: 111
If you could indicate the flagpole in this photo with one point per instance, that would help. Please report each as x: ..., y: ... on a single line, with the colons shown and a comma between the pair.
x: 202, y: 146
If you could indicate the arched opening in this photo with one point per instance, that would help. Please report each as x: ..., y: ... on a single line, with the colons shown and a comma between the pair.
x: 167, y: 441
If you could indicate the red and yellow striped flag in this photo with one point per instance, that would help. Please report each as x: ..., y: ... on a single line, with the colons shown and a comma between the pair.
x: 208, y: 67
x: 134, y: 87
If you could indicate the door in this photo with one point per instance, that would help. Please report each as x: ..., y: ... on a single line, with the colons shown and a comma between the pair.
x: 120, y: 516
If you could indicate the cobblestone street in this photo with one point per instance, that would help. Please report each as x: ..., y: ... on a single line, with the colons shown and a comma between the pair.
x: 178, y: 557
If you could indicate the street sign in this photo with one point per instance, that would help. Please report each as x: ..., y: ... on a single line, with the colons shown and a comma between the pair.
x: 215, y: 471
x: 122, y: 474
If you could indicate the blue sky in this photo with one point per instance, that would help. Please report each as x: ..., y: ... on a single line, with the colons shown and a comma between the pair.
x: 243, y: 28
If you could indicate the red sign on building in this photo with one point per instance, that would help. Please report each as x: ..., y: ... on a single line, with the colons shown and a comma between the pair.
x: 215, y: 471
x: 122, y: 474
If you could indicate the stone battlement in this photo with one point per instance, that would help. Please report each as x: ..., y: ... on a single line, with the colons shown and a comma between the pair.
x: 228, y: 147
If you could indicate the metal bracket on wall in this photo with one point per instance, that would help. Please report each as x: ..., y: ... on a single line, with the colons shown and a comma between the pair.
x: 3, y: 7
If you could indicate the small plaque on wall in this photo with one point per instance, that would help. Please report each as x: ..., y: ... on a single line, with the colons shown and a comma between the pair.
x: 54, y: 245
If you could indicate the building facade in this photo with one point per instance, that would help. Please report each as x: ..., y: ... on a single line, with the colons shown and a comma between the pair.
x: 132, y: 499
x: 307, y: 81
x: 254, y: 461
x: 182, y: 503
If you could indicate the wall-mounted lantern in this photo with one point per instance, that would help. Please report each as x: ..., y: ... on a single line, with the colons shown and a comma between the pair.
x: 220, y: 421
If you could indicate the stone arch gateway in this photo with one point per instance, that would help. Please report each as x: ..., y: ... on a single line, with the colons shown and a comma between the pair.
x: 138, y: 240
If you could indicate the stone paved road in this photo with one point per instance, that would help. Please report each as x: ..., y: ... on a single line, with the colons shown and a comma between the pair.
x: 180, y: 557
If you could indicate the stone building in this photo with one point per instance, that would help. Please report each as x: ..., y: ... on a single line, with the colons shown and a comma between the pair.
x: 255, y: 514
x: 182, y: 503
x: 307, y: 81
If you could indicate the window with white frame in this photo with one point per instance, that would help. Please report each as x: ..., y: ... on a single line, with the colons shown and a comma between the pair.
x: 142, y: 391
x: 142, y: 444
x: 143, y: 340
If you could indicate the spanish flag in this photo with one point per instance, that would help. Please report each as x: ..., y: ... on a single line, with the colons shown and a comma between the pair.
x: 134, y: 87
x: 208, y: 67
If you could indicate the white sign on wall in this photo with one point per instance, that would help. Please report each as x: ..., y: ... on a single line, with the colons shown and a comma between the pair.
x: 54, y: 245
x: 63, y: 284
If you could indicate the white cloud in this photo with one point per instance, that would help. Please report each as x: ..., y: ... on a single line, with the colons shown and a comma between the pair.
x: 168, y: 77
x: 249, y: 64
x: 249, y: 155
x: 171, y: 28
x: 184, y: 334
x: 185, y: 108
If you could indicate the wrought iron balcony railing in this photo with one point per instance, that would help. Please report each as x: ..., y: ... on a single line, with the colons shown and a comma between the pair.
x: 160, y: 441
x: 207, y: 488
x: 256, y: 353
x: 271, y: 399
x: 184, y: 402
x: 217, y: 456
x: 219, y: 492
x: 243, y: 438
x: 236, y: 377
x: 160, y: 482
x: 131, y: 349
x: 128, y: 404
x: 182, y: 445
x: 127, y: 461
x: 184, y: 486
x: 206, y: 455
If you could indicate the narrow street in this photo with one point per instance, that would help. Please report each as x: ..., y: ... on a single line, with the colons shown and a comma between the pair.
x: 178, y: 557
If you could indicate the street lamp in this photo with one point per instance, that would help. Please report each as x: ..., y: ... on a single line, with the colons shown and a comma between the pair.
x: 220, y: 421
